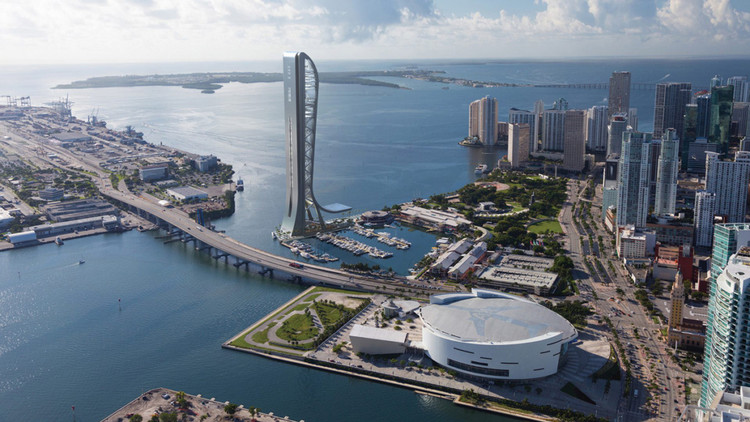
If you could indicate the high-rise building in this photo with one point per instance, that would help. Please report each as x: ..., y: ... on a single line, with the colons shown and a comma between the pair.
x: 741, y: 117
x: 703, y: 116
x: 538, y: 110
x: 715, y: 81
x: 633, y: 192
x: 303, y: 216
x: 654, y: 150
x: 728, y: 239
x: 741, y: 88
x: 688, y: 134
x: 573, y: 149
x: 609, y: 185
x: 669, y: 106
x: 666, y: 179
x: 596, y: 128
x: 729, y: 180
x: 696, y: 162
x: 617, y: 126
x: 530, y: 118
x: 553, y: 130
x: 633, y: 118
x: 721, y: 116
x: 619, y: 93
x: 703, y: 220
x: 483, y: 120
x: 727, y: 350
x: 518, y: 143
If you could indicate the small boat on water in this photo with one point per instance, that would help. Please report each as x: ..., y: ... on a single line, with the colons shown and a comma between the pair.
x: 59, y: 241
x: 274, y: 236
x: 480, y: 169
x: 81, y: 262
x: 240, y: 185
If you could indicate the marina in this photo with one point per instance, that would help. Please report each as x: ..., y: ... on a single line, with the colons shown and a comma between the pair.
x: 382, y: 237
x: 355, y: 247
x: 306, y: 251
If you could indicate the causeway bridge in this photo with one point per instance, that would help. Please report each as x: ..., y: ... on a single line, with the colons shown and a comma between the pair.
x: 220, y: 246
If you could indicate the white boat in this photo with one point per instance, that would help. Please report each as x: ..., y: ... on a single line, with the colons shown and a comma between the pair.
x: 480, y: 169
x: 274, y: 236
x: 59, y: 241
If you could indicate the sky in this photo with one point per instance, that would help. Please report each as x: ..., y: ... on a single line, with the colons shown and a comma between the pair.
x: 140, y: 31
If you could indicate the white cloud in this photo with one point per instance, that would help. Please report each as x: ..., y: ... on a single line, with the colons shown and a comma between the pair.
x: 697, y: 19
x: 170, y: 30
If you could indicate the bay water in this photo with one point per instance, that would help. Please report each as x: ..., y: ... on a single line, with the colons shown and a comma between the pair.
x: 140, y: 314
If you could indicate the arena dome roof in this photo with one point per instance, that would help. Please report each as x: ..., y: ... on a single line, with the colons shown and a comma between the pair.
x: 494, y: 320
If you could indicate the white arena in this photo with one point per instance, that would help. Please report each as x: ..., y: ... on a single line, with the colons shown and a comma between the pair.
x: 495, y: 336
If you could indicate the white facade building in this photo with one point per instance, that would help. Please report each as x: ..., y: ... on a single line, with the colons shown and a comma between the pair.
x: 492, y: 335
x: 703, y: 221
x: 666, y: 179
x: 553, y: 130
x: 518, y: 144
x: 727, y: 350
x: 573, y: 140
x: 596, y: 128
x: 633, y: 177
x: 729, y: 181
x: 377, y: 341
x: 741, y: 87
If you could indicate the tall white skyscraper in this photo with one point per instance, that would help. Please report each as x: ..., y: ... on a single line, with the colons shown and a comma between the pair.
x: 530, y: 118
x: 633, y: 175
x: 741, y: 88
x: 703, y: 219
x: 619, y: 93
x: 553, y: 130
x: 573, y: 149
x: 727, y: 350
x: 596, y: 128
x: 483, y: 120
x: 666, y: 178
x: 633, y: 118
x: 617, y: 126
x: 518, y: 143
x: 729, y: 180
x: 538, y: 110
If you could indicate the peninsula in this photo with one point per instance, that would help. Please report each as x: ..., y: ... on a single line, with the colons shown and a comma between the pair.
x: 215, y: 80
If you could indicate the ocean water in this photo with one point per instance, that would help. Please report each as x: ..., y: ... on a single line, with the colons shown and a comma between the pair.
x: 64, y: 340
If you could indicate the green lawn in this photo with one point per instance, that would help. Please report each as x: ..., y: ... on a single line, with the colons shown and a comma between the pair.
x: 328, y: 314
x: 310, y: 298
x: 516, y: 206
x: 262, y: 336
x: 297, y: 327
x: 541, y: 227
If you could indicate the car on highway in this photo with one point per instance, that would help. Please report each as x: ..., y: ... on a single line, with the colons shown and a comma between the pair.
x: 296, y: 265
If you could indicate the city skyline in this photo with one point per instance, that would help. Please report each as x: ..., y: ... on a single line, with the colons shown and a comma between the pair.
x: 163, y: 30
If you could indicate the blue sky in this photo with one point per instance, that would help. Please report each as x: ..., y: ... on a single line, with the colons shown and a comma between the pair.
x: 94, y: 31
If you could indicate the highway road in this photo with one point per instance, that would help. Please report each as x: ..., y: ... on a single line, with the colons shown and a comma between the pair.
x: 38, y: 150
x: 625, y: 314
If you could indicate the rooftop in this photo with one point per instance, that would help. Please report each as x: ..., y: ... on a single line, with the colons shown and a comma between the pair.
x: 497, y: 319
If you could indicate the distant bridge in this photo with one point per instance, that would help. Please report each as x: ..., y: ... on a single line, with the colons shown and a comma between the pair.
x: 596, y: 85
x: 641, y: 86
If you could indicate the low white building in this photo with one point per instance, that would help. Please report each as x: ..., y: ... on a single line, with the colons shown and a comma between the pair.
x: 186, y: 193
x: 22, y: 237
x: 153, y: 172
x: 635, y: 243
x: 377, y: 341
x: 5, y: 219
